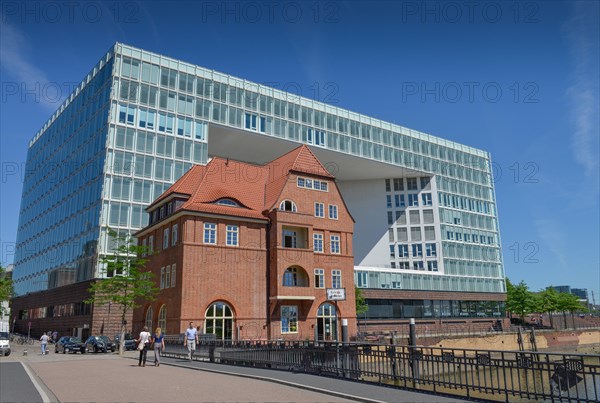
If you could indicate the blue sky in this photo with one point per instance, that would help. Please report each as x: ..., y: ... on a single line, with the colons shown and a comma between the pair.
x: 518, y: 79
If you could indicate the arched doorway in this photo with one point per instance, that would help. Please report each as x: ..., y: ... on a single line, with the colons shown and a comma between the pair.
x: 327, y: 322
x: 219, y: 321
x: 149, y: 315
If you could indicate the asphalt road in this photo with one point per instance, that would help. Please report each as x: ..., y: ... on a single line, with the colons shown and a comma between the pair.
x: 15, y: 384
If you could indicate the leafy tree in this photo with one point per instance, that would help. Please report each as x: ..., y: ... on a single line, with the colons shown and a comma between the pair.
x: 126, y: 282
x: 569, y: 303
x: 6, y: 289
x: 519, y: 300
x: 548, y: 302
x: 361, y: 303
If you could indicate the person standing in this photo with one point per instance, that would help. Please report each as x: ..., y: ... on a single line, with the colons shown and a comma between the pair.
x: 143, y: 343
x: 190, y: 340
x: 44, y: 340
x: 159, y: 345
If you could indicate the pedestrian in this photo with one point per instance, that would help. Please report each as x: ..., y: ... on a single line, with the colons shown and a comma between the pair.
x: 159, y: 345
x: 190, y: 340
x: 143, y: 344
x: 44, y: 340
x: 55, y: 336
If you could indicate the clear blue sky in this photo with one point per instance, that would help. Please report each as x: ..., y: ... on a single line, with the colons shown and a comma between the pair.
x: 517, y: 79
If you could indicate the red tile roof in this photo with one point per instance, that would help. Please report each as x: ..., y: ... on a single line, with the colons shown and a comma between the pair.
x: 254, y: 187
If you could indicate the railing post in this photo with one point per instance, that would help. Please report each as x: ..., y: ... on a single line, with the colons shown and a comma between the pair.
x: 412, y: 342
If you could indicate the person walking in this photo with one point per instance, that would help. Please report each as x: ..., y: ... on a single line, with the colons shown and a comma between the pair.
x: 44, y: 340
x: 143, y: 343
x: 159, y: 345
x: 190, y: 340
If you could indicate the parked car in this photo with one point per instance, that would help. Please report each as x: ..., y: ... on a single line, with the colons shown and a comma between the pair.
x: 97, y: 344
x: 130, y: 343
x: 69, y: 344
x: 110, y: 345
x: 4, y: 344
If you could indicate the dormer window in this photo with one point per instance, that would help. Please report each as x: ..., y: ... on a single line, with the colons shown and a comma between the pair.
x: 227, y: 202
x: 288, y: 205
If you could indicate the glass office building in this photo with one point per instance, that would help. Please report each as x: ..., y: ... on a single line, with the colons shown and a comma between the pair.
x: 140, y: 120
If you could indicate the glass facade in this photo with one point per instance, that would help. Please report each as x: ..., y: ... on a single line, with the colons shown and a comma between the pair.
x: 150, y: 121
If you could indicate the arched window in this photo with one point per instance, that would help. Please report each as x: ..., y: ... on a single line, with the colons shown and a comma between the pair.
x: 149, y: 315
x: 162, y: 318
x: 288, y: 205
x: 295, y: 277
x: 227, y: 202
x: 219, y: 321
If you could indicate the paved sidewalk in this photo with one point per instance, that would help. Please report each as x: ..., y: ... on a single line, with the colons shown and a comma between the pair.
x: 336, y: 387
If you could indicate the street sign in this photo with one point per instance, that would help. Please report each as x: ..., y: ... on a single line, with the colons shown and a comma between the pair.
x: 336, y: 294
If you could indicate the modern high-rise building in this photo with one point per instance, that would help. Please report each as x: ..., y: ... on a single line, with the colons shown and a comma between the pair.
x: 426, y: 238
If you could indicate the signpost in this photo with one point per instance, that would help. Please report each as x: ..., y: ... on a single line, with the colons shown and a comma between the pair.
x: 336, y: 294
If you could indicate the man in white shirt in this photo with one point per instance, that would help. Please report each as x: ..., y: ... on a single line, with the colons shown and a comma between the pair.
x: 190, y: 340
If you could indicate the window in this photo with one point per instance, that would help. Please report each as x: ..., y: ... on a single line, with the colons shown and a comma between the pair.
x: 319, y: 278
x: 295, y: 277
x: 219, y: 321
x: 430, y: 233
x: 289, y: 319
x: 413, y: 200
x: 426, y: 199
x: 175, y: 234
x: 388, y: 187
x: 162, y: 278
x: 318, y: 242
x: 166, y: 238
x: 418, y: 265
x: 151, y: 244
x: 428, y: 216
x: 336, y: 279
x: 173, y: 274
x: 388, y: 200
x: 432, y: 265
x: 398, y: 184
x: 288, y: 205
x: 415, y: 234
x: 301, y: 182
x: 424, y: 182
x: 431, y: 250
x: 333, y: 212
x: 149, y: 315
x: 310, y: 184
x: 390, y: 216
x: 417, y: 250
x: 404, y: 265
x: 399, y: 200
x: 402, y: 234
x: 319, y: 210
x: 210, y: 233
x: 227, y: 202
x: 392, y: 251
x: 250, y: 121
x: 335, y: 244
x: 290, y: 239
x: 232, y: 235
x: 144, y: 247
x: 411, y: 183
x: 415, y: 218
x: 167, y: 276
x: 403, y: 250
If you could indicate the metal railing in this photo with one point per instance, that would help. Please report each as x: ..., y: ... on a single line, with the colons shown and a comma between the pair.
x: 492, y: 375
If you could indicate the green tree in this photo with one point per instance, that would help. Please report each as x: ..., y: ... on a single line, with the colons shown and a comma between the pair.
x: 6, y: 289
x: 569, y: 303
x: 519, y: 300
x: 361, y: 303
x: 127, y: 283
x: 548, y: 302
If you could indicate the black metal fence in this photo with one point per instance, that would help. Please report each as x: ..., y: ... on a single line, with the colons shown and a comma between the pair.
x: 476, y: 374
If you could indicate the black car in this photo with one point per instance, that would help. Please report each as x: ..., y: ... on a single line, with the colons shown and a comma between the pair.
x: 130, y: 343
x: 69, y: 344
x: 110, y: 345
x: 99, y: 344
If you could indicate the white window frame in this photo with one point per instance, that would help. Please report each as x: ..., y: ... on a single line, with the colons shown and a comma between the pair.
x: 335, y: 240
x: 151, y: 244
x: 234, y: 231
x: 209, y: 228
x: 165, y: 238
x: 319, y: 278
x: 168, y: 276
x: 319, y: 210
x: 162, y: 278
x: 174, y: 234
x: 318, y: 240
x: 173, y: 274
x: 333, y: 212
x: 291, y: 319
x: 336, y: 274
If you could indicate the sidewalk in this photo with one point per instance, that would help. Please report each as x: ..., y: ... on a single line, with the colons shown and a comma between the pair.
x: 111, y: 378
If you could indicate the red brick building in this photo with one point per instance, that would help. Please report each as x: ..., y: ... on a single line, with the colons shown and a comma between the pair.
x: 248, y: 251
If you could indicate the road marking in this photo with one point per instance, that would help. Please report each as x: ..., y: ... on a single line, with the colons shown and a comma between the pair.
x: 33, y: 377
